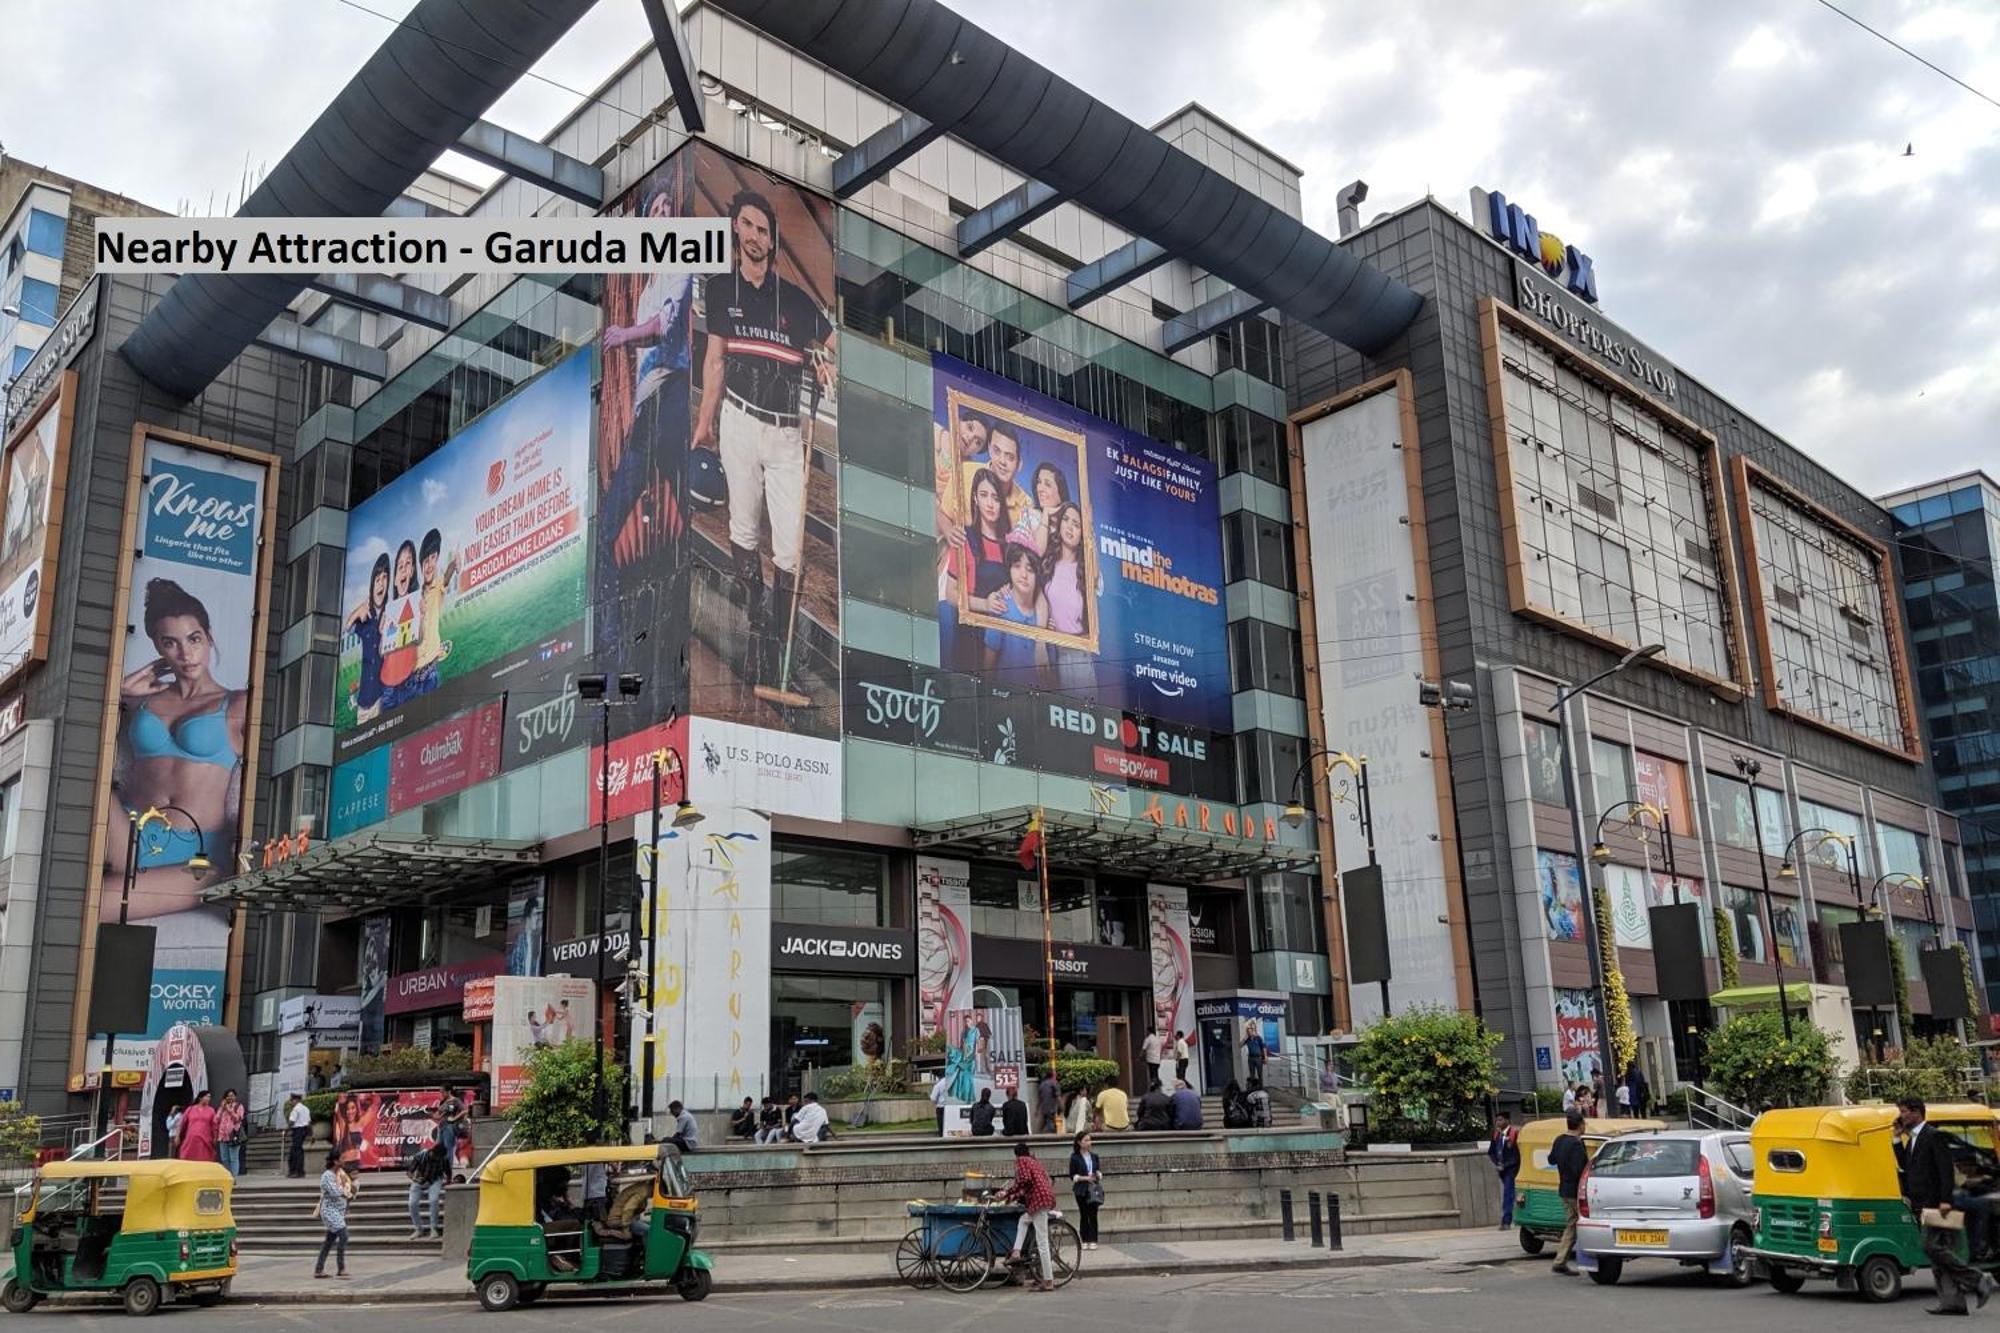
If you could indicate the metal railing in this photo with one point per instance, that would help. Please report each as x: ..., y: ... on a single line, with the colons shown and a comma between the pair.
x: 1969, y: 1082
x: 479, y: 1170
x: 1706, y: 1110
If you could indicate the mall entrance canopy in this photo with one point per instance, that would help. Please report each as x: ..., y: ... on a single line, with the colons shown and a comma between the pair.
x: 1114, y: 845
x: 371, y: 871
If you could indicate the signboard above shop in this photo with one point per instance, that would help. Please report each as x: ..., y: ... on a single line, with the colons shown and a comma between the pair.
x: 1517, y: 229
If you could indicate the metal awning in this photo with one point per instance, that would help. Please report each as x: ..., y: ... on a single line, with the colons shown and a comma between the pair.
x: 1110, y: 843
x: 376, y: 870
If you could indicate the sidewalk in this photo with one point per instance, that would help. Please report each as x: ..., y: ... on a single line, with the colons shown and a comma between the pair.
x: 288, y: 1280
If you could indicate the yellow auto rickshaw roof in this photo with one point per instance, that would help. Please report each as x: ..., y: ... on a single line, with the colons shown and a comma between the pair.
x: 1541, y: 1133
x: 508, y: 1163
x: 1846, y: 1124
x: 170, y: 1172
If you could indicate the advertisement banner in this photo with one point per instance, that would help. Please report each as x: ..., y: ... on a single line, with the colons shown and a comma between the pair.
x: 183, y: 675
x: 374, y: 976
x: 944, y: 941
x: 294, y: 1064
x: 382, y: 1129
x: 629, y: 775
x: 1562, y: 894
x: 1082, y: 558
x: 984, y: 1049
x: 532, y: 1014
x: 466, y: 576
x: 1372, y: 627
x: 330, y: 1020
x: 1628, y: 891
x: 773, y: 771
x: 1173, y: 960
x: 1576, y: 1036
x: 525, y: 929
x: 765, y: 609
x: 904, y: 703
x: 33, y: 475
x: 710, y: 933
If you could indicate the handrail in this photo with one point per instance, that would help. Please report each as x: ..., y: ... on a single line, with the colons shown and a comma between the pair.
x: 1706, y: 1110
x: 479, y: 1170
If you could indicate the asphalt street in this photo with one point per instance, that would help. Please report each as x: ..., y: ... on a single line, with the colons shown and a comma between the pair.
x: 1398, y: 1298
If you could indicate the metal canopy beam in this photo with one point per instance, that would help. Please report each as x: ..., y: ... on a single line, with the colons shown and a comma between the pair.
x: 375, y: 870
x: 670, y: 40
x: 1113, y: 843
x: 386, y: 296
x: 1134, y: 259
x: 1185, y: 330
x: 1005, y: 216
x: 326, y: 349
x: 882, y: 152
x: 535, y: 163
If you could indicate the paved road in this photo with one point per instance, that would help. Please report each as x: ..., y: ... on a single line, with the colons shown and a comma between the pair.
x: 1402, y: 1298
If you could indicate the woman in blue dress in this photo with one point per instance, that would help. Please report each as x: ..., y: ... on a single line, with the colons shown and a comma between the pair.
x: 1013, y: 658
x: 364, y: 622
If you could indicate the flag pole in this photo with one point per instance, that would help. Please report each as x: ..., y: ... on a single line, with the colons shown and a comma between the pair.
x: 1048, y: 937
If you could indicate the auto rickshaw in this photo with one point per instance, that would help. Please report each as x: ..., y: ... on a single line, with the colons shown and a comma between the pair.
x: 152, y: 1231
x: 1538, y: 1206
x: 1829, y: 1196
x: 531, y: 1232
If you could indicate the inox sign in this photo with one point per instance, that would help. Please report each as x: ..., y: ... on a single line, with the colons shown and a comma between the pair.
x: 1517, y: 229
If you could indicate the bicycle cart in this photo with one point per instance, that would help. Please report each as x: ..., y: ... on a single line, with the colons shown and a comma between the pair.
x: 960, y: 1246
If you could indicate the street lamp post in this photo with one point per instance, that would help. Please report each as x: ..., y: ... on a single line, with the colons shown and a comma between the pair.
x: 1788, y: 869
x: 1750, y: 768
x: 1448, y: 697
x: 1355, y: 794
x: 1591, y: 925
x: 137, y: 823
x: 594, y: 688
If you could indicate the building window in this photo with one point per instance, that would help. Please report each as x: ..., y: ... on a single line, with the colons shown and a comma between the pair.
x: 1903, y: 851
x: 1285, y: 915
x: 45, y: 233
x: 1255, y: 547
x: 38, y: 301
x: 1610, y: 773
x: 22, y: 356
x: 1614, y: 507
x: 1731, y: 821
x: 826, y: 1023
x: 1663, y: 783
x: 1007, y: 901
x: 1247, y: 441
x: 1831, y: 855
x: 10, y: 816
x: 828, y: 886
x: 1746, y: 914
x: 1267, y: 762
x: 1263, y: 656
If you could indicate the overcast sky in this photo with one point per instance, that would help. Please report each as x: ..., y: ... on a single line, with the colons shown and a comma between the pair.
x: 1736, y: 169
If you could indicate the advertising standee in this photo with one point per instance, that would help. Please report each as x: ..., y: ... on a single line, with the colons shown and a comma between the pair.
x: 944, y: 941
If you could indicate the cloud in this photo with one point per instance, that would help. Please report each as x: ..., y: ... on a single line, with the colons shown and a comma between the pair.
x: 435, y: 492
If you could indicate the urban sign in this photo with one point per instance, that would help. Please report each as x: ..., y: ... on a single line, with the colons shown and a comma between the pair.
x: 1517, y: 229
x: 438, y: 987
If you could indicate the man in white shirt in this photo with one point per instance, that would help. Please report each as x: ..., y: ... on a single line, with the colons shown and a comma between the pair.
x: 810, y: 1121
x: 1155, y: 1040
x: 298, y: 1124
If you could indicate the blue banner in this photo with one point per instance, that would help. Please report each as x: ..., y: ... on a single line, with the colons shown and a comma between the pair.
x: 183, y: 995
x: 200, y: 516
x: 1077, y: 557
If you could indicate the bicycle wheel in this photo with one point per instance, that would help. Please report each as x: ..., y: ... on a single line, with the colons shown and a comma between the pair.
x: 1065, y: 1251
x: 913, y: 1261
x: 963, y: 1258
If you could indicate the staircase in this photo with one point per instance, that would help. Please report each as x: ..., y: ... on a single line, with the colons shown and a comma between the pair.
x: 1708, y: 1111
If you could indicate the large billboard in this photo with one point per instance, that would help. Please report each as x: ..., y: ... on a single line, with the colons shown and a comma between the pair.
x: 462, y: 599
x: 33, y: 474
x: 181, y: 714
x: 1075, y: 556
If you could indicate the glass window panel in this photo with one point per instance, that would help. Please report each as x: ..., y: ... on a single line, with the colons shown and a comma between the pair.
x: 1610, y: 773
x: 1544, y: 755
x: 45, y: 233
x: 829, y: 886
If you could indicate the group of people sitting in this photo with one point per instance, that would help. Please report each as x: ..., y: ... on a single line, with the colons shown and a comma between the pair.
x: 794, y: 1120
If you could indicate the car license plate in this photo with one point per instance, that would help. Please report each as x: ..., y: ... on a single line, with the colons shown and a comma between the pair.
x: 1641, y: 1237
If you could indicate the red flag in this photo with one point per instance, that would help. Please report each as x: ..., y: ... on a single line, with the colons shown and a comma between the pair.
x: 1031, y: 842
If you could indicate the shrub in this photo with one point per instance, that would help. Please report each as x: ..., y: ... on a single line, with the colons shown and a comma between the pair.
x: 1617, y: 1003
x: 1725, y: 951
x: 1932, y: 1068
x: 20, y: 1134
x: 1073, y: 1071
x: 320, y: 1104
x: 556, y: 1107
x: 876, y: 1078
x: 1751, y: 1062
x: 412, y: 1060
x: 1900, y: 967
x: 1431, y: 1071
x: 1543, y: 1101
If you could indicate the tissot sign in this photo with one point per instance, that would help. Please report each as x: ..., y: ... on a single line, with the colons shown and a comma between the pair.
x: 799, y: 947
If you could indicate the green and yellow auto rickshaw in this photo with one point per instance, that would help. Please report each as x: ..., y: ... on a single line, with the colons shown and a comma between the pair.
x: 1829, y: 1198
x: 151, y: 1231
x: 532, y: 1233
x: 1538, y: 1206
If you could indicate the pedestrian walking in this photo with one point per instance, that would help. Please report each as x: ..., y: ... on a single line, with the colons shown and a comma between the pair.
x: 453, y: 1123
x: 1929, y: 1179
x: 983, y: 1112
x: 1642, y: 1091
x: 1570, y: 1102
x: 1086, y: 1180
x: 1623, y: 1095
x: 1181, y: 1055
x: 298, y: 1124
x: 231, y: 1132
x: 1569, y: 1157
x: 173, y: 1144
x: 1254, y: 1050
x: 428, y: 1170
x: 1048, y: 1102
x: 1504, y: 1151
x: 336, y: 1191
x: 197, y: 1136
x: 1080, y: 1111
x: 1014, y: 1115
x: 1037, y: 1197
x: 1155, y: 1042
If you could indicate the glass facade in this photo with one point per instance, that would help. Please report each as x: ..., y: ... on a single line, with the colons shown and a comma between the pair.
x: 829, y: 886
x: 1949, y: 539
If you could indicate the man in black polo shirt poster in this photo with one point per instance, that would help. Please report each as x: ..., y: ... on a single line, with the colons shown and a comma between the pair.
x: 769, y: 360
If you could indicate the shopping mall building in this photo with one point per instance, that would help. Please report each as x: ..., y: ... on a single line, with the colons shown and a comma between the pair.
x: 1029, y: 467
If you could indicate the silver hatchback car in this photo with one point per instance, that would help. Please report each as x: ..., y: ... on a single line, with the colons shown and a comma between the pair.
x: 1679, y: 1195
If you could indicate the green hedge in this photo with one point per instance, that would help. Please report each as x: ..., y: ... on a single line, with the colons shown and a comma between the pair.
x: 1073, y: 1071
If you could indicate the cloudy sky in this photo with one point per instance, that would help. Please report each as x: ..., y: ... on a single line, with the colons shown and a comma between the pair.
x: 1736, y: 170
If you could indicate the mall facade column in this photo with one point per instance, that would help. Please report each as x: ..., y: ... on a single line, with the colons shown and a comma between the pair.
x: 1479, y: 297
x: 253, y: 405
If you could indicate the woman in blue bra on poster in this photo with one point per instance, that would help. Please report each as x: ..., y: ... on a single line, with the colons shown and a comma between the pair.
x: 181, y: 742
